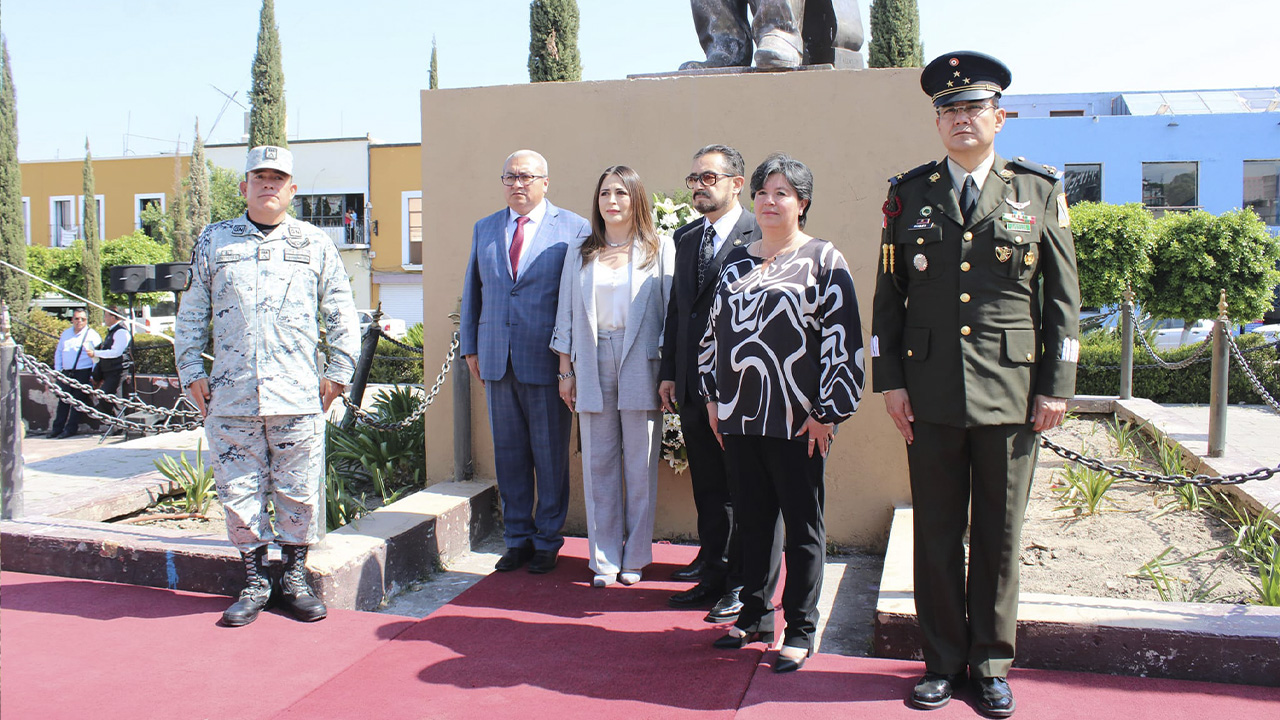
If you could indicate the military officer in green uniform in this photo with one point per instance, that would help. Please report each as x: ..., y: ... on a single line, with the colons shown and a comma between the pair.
x: 974, y: 346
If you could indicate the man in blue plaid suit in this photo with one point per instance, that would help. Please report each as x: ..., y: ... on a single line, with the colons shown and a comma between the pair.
x: 509, y: 300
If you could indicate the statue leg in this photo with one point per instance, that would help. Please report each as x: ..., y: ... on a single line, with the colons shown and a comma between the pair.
x: 777, y: 26
x: 723, y: 32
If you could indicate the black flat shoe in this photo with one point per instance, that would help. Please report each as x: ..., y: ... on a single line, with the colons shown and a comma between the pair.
x: 995, y: 699
x: 693, y: 572
x: 735, y: 642
x: 726, y: 608
x: 513, y: 558
x: 785, y: 664
x: 700, y: 595
x: 934, y: 690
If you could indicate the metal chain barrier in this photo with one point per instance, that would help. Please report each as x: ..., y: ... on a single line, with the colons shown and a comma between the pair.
x: 1123, y: 473
x: 1205, y: 359
x: 397, y: 343
x: 365, y: 417
x: 1253, y: 378
x: 1185, y: 362
x: 53, y: 378
x: 50, y: 379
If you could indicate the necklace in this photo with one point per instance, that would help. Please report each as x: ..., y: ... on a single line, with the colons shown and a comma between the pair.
x: 617, y: 245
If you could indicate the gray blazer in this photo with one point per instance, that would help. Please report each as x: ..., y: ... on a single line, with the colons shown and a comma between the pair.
x: 575, y: 330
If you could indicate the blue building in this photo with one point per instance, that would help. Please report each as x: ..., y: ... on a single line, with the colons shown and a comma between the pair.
x: 1203, y: 149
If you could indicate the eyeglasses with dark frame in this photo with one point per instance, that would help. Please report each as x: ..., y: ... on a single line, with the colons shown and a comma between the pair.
x: 707, y: 178
x: 973, y: 111
x: 524, y: 179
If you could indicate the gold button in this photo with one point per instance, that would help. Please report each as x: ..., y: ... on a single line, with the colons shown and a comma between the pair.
x: 1030, y: 357
x: 964, y: 267
x: 964, y: 297
x: 909, y: 353
x: 968, y: 236
x: 964, y: 330
x: 919, y: 241
x: 1018, y: 240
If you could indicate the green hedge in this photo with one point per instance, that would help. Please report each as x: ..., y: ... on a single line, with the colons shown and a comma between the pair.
x: 396, y: 371
x: 1189, y: 385
x: 153, y: 355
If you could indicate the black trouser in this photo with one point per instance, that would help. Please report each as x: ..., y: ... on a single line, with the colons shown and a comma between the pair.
x: 710, y: 491
x: 67, y: 419
x: 778, y: 476
x: 977, y: 478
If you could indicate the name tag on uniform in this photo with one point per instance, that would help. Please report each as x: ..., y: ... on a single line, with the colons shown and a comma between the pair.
x: 226, y: 256
x: 298, y: 256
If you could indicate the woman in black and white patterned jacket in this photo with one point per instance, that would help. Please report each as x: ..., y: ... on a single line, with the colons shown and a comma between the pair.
x: 781, y: 364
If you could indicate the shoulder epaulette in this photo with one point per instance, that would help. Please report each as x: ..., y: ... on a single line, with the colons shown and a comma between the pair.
x: 914, y: 172
x: 1047, y: 171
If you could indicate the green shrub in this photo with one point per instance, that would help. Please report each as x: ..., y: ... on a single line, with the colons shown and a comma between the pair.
x: 396, y: 372
x: 153, y: 355
x: 1189, y: 385
x: 39, y: 337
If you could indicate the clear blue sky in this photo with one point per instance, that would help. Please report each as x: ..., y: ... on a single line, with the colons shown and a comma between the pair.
x: 135, y: 74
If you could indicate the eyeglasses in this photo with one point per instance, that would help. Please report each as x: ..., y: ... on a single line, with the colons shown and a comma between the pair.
x: 707, y: 178
x: 952, y: 113
x: 510, y: 180
x: 79, y: 318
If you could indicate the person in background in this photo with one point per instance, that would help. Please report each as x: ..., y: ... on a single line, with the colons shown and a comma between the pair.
x: 114, y: 357
x: 781, y: 365
x: 73, y: 358
x: 613, y: 299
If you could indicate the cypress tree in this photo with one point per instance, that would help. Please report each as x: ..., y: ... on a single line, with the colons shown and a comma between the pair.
x: 553, y: 41
x: 895, y: 34
x: 198, y: 202
x: 433, y: 79
x: 267, y: 118
x: 91, y: 256
x: 14, y: 289
x: 179, y: 217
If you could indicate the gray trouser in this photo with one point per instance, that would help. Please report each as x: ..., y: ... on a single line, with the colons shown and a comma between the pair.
x: 619, y: 472
x: 276, y: 458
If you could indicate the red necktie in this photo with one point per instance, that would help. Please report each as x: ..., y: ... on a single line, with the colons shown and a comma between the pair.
x: 517, y: 242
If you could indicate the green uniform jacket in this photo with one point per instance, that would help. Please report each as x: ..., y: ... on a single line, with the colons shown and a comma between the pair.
x: 976, y: 318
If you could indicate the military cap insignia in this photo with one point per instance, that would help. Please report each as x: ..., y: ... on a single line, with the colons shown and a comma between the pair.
x: 1003, y: 253
x: 270, y: 153
x: 264, y: 253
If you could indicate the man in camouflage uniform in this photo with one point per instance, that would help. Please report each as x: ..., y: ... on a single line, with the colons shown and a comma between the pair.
x: 974, y: 345
x: 268, y: 283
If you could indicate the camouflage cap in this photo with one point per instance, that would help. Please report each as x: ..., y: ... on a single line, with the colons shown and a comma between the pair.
x: 270, y: 157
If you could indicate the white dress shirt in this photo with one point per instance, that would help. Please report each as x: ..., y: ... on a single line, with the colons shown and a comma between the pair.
x: 69, y: 356
x: 724, y: 226
x: 118, y: 345
x: 958, y: 174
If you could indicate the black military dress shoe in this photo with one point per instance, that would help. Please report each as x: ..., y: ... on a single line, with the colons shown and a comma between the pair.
x: 693, y: 572
x: 513, y: 558
x: 934, y: 690
x: 995, y: 699
x: 726, y: 608
x: 700, y: 595
x: 544, y: 561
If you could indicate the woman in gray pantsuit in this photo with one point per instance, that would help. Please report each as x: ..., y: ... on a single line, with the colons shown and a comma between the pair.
x: 613, y: 300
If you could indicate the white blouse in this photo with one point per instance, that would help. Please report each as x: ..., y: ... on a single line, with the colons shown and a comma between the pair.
x: 613, y: 295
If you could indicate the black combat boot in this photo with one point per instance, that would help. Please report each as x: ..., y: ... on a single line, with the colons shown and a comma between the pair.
x: 296, y: 594
x: 256, y: 592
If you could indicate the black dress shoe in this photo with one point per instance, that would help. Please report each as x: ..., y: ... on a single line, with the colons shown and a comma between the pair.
x: 730, y: 641
x: 544, y: 561
x: 726, y: 608
x: 700, y: 595
x: 514, y: 558
x: 785, y: 664
x: 995, y: 699
x: 64, y: 435
x: 693, y: 572
x: 934, y: 690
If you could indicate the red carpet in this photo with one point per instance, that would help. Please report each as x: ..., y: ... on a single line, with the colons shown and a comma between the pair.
x: 514, y: 645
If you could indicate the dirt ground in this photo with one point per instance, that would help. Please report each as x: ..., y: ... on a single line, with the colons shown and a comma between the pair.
x: 1100, y: 555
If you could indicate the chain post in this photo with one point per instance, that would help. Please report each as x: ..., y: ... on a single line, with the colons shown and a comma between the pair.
x: 463, y: 465
x: 1126, y: 345
x: 11, y: 484
x: 1218, y: 393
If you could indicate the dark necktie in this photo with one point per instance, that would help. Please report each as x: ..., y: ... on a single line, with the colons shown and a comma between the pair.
x: 969, y: 198
x: 706, y: 252
x: 517, y: 242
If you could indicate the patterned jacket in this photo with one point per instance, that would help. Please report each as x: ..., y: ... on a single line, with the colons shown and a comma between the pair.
x: 267, y: 298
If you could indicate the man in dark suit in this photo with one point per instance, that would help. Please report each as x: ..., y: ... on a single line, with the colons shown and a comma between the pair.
x: 701, y: 246
x: 974, y: 345
x: 509, y: 300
